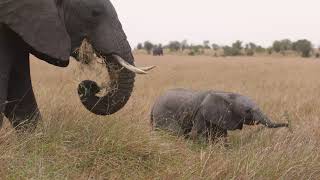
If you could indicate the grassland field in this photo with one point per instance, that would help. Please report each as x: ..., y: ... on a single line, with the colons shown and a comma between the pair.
x: 71, y: 143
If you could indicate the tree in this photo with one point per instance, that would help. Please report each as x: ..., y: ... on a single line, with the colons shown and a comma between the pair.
x: 234, y: 50
x: 276, y: 46
x: 174, y: 46
x: 249, y: 49
x: 215, y: 47
x: 269, y: 50
x: 195, y: 50
x: 286, y: 45
x: 139, y: 46
x: 206, y: 44
x: 260, y: 49
x: 148, y: 46
x: 230, y: 51
x: 237, y: 45
x: 282, y: 46
x: 184, y: 45
x: 304, y: 47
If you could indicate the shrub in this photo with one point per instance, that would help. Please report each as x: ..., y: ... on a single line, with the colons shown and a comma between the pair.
x: 235, y: 50
x: 215, y: 47
x: 304, y: 47
x: 281, y: 46
x: 184, y: 45
x: 229, y: 51
x: 276, y: 46
x: 206, y: 44
x: 250, y: 52
x: 139, y: 46
x: 237, y: 46
x: 174, y: 46
x: 260, y: 49
x: 148, y: 46
x: 191, y: 53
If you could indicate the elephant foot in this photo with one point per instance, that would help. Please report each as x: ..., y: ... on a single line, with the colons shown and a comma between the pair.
x: 226, y: 143
x: 26, y: 125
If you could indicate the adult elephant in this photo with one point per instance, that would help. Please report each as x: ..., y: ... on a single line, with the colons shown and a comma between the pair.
x: 208, y: 114
x: 52, y: 30
x: 157, y: 51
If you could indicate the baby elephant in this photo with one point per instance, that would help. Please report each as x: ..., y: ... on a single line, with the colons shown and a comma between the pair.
x: 206, y: 114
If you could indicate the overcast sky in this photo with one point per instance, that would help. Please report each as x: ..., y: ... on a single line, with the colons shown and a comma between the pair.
x: 220, y: 21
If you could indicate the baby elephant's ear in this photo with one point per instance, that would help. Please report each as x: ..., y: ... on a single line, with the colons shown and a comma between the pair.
x: 219, y: 110
x: 38, y: 23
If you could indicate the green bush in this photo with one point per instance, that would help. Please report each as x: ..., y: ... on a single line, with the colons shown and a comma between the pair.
x: 229, y: 51
x: 250, y: 52
x: 304, y: 47
x: 235, y: 50
x: 148, y: 46
x: 281, y: 46
x: 174, y: 46
x: 139, y: 46
x: 215, y: 47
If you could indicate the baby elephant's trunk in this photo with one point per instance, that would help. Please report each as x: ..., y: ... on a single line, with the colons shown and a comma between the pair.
x: 263, y: 119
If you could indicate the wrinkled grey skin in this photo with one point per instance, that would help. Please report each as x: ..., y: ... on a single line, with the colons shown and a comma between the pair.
x: 157, y: 51
x: 52, y: 30
x: 208, y: 114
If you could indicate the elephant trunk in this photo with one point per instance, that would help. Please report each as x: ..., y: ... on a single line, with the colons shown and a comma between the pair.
x: 118, y: 91
x: 260, y: 117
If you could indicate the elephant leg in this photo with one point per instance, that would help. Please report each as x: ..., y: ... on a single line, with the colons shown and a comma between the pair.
x: 22, y: 109
x: 6, y: 59
x: 199, y: 128
x: 3, y: 92
x: 217, y: 133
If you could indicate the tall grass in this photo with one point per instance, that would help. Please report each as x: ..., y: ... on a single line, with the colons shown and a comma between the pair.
x: 71, y: 143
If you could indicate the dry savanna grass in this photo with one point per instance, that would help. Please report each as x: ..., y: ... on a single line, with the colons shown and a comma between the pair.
x: 71, y: 143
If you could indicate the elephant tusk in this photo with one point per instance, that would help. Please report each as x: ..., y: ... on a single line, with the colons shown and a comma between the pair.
x: 129, y: 66
x: 147, y: 68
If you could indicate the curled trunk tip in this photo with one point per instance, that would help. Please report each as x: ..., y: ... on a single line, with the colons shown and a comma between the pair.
x: 119, y: 90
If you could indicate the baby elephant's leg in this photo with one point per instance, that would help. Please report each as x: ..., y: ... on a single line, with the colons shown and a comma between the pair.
x: 216, y: 133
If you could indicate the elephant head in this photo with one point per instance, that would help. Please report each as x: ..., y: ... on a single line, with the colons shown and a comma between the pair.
x: 246, y: 109
x: 230, y: 111
x: 54, y: 29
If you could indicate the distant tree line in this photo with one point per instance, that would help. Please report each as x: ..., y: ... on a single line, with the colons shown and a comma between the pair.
x: 302, y: 47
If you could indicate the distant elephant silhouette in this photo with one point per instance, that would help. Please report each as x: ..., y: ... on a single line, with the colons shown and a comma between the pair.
x: 157, y: 51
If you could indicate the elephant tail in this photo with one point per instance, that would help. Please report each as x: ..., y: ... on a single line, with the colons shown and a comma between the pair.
x: 265, y: 120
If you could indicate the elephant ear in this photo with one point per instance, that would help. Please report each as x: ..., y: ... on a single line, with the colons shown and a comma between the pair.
x: 218, y: 111
x: 38, y: 23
